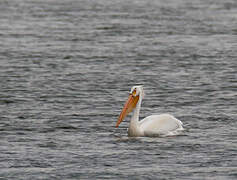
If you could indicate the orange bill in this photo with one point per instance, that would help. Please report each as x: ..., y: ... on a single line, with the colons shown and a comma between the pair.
x: 128, y: 107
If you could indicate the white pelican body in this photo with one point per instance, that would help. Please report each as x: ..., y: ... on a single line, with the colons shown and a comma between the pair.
x: 154, y: 125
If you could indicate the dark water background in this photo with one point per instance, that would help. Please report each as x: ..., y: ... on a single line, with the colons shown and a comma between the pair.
x: 66, y: 68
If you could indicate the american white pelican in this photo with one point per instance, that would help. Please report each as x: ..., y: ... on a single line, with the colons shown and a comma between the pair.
x: 154, y: 125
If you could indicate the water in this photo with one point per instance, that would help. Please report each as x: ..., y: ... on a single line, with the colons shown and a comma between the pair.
x: 66, y: 68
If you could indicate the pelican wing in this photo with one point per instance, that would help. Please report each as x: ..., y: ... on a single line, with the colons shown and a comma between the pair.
x: 163, y: 124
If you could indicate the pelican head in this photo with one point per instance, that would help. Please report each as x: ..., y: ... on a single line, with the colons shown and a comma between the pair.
x: 135, y: 94
x: 138, y: 90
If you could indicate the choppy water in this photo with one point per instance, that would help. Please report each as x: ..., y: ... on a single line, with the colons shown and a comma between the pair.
x: 66, y: 68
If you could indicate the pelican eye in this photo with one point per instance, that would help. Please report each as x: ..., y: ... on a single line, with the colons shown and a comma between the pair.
x: 134, y: 92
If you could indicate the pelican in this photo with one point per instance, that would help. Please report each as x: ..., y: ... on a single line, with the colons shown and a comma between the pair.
x: 154, y: 125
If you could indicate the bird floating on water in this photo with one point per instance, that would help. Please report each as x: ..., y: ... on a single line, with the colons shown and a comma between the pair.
x: 154, y: 125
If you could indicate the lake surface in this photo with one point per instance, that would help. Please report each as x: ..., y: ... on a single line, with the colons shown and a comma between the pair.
x: 66, y: 68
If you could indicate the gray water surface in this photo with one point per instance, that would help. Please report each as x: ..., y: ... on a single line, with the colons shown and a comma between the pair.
x: 66, y: 68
